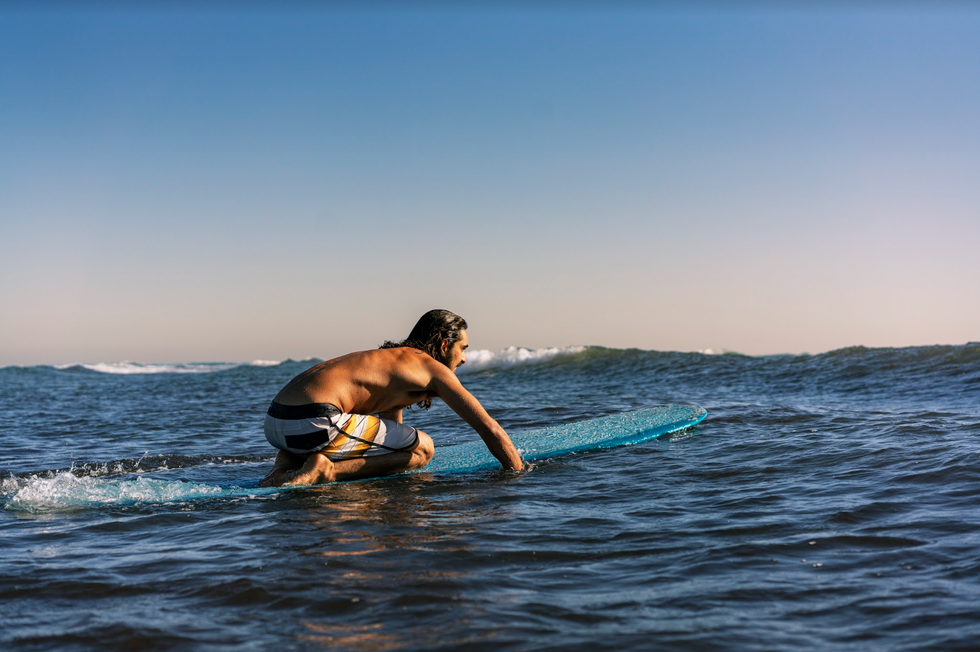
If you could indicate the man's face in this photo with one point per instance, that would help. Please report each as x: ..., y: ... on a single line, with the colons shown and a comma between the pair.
x: 457, y: 354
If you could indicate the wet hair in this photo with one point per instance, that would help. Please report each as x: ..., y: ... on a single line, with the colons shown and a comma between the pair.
x: 431, y: 330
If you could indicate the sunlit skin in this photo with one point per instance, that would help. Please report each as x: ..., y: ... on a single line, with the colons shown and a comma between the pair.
x: 384, y: 382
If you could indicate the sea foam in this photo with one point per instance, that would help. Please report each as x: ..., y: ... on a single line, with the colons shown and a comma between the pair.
x: 66, y: 491
x: 127, y: 367
x: 480, y: 360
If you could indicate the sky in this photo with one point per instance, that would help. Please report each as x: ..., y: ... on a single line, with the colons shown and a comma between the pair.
x: 240, y: 181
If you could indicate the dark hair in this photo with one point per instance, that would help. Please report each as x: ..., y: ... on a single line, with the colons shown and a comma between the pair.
x: 431, y: 330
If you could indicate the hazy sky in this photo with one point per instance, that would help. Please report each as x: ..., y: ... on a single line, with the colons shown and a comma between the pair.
x: 247, y: 182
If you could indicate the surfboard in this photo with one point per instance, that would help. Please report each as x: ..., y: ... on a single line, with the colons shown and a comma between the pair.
x: 611, y: 431
x: 65, y: 491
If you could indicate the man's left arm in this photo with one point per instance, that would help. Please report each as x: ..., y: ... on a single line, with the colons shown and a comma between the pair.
x: 450, y: 390
x: 392, y: 415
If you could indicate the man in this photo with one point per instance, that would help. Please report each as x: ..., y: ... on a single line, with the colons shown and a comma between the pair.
x: 322, y: 421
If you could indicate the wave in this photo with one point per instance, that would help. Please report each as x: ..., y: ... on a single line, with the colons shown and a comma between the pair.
x: 962, y: 356
x: 127, y: 367
x: 956, y: 353
x: 513, y: 356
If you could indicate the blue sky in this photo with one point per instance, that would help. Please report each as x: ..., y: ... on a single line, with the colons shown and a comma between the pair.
x: 245, y: 181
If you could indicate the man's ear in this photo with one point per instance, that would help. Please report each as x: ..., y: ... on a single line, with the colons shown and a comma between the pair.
x: 444, y: 346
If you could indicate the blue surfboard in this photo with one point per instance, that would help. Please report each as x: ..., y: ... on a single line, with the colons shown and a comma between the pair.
x: 66, y: 491
x: 542, y: 443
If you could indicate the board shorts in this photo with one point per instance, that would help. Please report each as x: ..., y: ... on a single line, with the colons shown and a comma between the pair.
x: 323, y: 428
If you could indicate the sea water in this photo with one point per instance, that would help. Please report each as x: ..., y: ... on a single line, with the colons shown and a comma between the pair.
x: 828, y: 502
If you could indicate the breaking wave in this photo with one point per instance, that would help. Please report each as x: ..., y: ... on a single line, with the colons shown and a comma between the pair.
x: 513, y: 356
x: 127, y: 367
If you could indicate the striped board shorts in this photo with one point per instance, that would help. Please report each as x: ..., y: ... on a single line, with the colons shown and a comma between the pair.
x: 323, y: 428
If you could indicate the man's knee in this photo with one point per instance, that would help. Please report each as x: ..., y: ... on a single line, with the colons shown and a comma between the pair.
x: 424, y: 449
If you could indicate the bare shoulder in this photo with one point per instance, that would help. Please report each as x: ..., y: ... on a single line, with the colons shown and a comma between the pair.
x: 411, y: 363
x: 404, y: 364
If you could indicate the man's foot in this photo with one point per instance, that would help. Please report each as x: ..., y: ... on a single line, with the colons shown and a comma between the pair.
x: 270, y: 479
x: 318, y: 469
x: 285, y: 461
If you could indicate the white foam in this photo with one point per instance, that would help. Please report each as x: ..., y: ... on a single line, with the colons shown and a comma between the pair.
x: 66, y: 491
x: 127, y: 367
x: 513, y: 356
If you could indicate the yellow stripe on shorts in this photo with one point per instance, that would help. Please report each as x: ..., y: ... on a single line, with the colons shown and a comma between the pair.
x: 336, y: 445
x: 371, y: 426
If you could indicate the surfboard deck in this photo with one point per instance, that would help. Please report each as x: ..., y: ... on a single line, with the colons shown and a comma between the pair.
x: 610, y: 431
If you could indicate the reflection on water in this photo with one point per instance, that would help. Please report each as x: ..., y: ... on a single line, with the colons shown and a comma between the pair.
x: 385, y: 561
x: 352, y: 637
x: 371, y: 638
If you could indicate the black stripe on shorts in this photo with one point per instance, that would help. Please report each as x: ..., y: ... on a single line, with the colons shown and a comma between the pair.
x: 308, y: 411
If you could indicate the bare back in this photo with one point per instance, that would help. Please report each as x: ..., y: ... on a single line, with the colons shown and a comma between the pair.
x: 365, y: 382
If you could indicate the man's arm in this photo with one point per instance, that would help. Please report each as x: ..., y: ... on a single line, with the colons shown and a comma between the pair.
x: 449, y: 389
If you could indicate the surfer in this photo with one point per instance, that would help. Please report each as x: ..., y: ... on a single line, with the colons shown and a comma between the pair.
x: 342, y: 419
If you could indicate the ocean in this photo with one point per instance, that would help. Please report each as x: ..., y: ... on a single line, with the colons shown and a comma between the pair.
x: 827, y: 502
